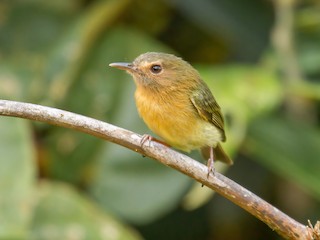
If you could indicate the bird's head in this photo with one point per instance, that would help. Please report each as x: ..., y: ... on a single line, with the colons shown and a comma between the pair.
x: 156, y: 70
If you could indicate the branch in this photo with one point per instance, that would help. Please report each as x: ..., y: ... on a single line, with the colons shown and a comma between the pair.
x: 283, y: 40
x: 297, y: 106
x: 274, y: 218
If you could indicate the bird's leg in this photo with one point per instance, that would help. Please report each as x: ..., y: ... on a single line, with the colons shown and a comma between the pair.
x: 149, y: 138
x: 210, y: 163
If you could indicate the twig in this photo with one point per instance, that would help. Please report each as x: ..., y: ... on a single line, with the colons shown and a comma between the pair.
x: 274, y: 218
x: 283, y: 40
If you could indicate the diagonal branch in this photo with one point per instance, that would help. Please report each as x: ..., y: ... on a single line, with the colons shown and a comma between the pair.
x: 274, y: 218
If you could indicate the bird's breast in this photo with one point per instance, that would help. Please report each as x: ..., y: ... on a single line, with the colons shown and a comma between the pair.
x: 172, y: 116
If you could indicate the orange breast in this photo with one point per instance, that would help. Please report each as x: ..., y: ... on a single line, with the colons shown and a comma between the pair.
x: 173, y: 117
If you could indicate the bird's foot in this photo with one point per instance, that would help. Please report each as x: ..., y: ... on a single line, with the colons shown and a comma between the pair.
x: 211, y: 168
x: 145, y: 138
x: 149, y: 138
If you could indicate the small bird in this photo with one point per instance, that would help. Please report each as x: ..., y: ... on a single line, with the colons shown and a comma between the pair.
x: 177, y: 105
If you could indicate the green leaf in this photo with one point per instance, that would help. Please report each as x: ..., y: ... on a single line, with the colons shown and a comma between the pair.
x: 137, y: 189
x: 287, y: 148
x: 254, y: 89
x: 27, y: 32
x: 17, y: 177
x: 243, y: 92
x: 30, y: 27
x: 62, y: 213
x: 71, y: 52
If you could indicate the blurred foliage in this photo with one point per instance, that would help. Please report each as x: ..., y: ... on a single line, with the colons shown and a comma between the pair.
x: 60, y: 184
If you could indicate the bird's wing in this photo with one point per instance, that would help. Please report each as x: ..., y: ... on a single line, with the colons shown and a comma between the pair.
x: 208, y: 108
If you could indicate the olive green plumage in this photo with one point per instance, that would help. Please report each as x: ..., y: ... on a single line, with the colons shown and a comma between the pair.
x: 177, y: 104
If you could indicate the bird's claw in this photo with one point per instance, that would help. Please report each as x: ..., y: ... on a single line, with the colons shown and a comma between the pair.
x: 211, y: 168
x: 145, y: 138
x: 148, y: 138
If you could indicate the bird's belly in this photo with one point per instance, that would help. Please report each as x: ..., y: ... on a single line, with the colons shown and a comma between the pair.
x: 180, y: 127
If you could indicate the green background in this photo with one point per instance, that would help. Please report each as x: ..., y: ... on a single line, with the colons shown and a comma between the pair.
x: 261, y: 60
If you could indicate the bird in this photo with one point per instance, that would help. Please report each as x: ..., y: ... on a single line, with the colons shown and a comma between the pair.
x: 177, y: 105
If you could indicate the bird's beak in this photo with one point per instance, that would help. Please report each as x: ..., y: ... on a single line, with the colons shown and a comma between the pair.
x: 122, y: 65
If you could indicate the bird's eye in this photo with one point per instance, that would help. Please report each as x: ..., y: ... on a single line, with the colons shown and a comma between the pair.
x: 156, y: 68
